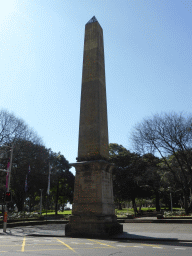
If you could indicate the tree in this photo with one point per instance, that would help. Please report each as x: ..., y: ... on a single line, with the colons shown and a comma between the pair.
x: 62, y: 180
x: 151, y: 177
x: 28, y: 149
x: 169, y: 135
x: 117, y: 150
x: 36, y: 156
x: 13, y: 128
x: 126, y: 174
x: 15, y: 133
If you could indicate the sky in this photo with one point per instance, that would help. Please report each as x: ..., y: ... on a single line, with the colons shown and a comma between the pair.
x: 148, y: 64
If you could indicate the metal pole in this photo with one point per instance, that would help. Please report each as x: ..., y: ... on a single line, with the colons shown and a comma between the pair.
x: 5, y: 219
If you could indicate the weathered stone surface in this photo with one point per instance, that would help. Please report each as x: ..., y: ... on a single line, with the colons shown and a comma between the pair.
x: 93, y: 193
x: 93, y: 212
x: 93, y: 128
x: 80, y: 226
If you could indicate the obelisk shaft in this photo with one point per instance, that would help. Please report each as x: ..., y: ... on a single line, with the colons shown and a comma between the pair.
x: 93, y: 128
x: 93, y: 212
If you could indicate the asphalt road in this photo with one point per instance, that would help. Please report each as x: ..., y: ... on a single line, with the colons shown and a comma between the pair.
x: 49, y: 240
x: 12, y: 245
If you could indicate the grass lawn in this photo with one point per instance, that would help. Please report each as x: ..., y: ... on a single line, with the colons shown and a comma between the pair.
x: 119, y: 213
x: 68, y: 212
x: 130, y: 211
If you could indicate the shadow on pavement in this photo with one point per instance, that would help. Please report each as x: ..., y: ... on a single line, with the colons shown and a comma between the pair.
x: 147, y: 240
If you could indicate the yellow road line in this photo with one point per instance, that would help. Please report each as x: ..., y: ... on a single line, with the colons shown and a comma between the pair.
x: 151, y: 245
x: 101, y: 243
x: 23, y: 245
x: 68, y: 246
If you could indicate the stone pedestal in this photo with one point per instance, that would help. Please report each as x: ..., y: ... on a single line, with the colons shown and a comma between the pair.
x: 93, y: 213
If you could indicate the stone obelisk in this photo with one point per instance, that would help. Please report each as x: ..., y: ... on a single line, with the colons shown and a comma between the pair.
x: 93, y: 212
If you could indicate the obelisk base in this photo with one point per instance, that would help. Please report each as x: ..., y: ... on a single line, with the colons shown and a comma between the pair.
x: 93, y: 226
x: 93, y: 212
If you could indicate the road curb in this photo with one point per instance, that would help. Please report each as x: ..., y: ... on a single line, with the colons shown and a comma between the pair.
x: 43, y: 222
x: 180, y: 221
x: 33, y: 223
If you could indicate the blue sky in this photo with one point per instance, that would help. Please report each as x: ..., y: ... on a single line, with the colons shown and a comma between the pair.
x: 148, y: 62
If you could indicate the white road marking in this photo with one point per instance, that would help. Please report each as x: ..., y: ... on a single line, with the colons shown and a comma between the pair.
x: 158, y: 247
x: 89, y: 243
x: 121, y: 245
x: 138, y: 246
x: 180, y: 248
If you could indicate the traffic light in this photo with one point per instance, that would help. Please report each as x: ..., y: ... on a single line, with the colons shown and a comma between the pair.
x: 8, y: 196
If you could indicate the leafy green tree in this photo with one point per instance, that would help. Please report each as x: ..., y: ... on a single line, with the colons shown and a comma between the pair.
x: 28, y: 154
x: 62, y: 185
x: 28, y: 150
x: 126, y: 174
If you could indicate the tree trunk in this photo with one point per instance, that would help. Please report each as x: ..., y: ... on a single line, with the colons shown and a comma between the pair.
x: 20, y: 206
x: 157, y: 201
x: 29, y: 205
x: 186, y: 197
x: 133, y: 201
x: 119, y: 206
x: 56, y: 198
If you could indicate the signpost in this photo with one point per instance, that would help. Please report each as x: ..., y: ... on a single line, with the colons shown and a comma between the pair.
x: 5, y: 217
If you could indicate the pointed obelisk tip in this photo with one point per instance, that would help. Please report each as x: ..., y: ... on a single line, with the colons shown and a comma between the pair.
x: 93, y: 19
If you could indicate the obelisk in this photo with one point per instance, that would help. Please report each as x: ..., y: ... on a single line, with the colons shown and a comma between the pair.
x: 93, y: 212
x: 93, y: 128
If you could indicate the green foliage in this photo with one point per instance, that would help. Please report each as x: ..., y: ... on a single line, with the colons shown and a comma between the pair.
x: 38, y: 157
x: 62, y: 185
x: 117, y: 150
x: 128, y: 173
x: 28, y: 149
